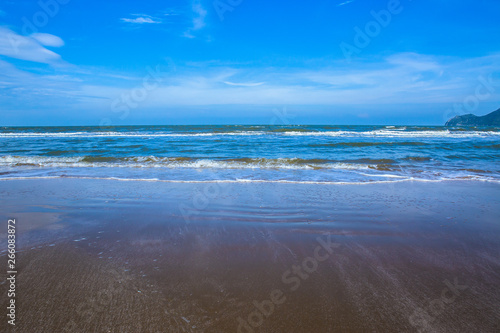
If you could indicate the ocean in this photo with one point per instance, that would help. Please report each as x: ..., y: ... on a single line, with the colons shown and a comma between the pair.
x: 296, y: 154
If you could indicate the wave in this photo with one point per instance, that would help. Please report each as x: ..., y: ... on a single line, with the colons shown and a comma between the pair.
x: 381, y: 164
x: 400, y: 134
x: 366, y: 144
x: 390, y: 133
x: 280, y: 181
x: 185, y: 162
x: 122, y: 134
x: 297, y: 170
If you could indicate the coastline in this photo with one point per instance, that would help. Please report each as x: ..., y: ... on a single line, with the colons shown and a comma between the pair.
x: 107, y: 255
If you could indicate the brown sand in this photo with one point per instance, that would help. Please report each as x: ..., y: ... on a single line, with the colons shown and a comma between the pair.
x: 110, y: 256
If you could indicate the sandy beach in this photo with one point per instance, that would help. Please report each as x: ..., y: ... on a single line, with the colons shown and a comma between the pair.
x: 131, y: 256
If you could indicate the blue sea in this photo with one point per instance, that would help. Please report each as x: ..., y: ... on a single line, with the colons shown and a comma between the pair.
x: 309, y: 154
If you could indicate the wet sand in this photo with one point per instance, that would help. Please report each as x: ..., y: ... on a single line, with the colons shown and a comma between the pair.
x: 113, y: 256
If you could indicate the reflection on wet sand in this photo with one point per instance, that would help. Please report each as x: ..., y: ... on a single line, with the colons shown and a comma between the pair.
x: 261, y: 258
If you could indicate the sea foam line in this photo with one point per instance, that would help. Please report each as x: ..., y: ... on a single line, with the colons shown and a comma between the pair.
x: 374, y: 133
x: 175, y: 162
x: 239, y: 181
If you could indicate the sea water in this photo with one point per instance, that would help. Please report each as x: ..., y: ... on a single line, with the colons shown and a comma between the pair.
x: 311, y: 154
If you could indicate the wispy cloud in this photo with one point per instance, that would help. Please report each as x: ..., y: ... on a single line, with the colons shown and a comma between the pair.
x: 403, y: 78
x: 142, y: 19
x: 400, y: 78
x: 29, y: 48
x: 345, y: 3
x: 243, y: 84
x: 198, y: 21
x: 47, y: 39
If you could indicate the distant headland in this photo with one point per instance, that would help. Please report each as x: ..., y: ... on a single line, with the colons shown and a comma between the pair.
x: 491, y: 119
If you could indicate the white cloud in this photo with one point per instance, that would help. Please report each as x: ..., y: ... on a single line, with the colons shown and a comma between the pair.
x: 413, y: 60
x: 401, y: 78
x: 48, y: 39
x: 198, y: 21
x: 405, y: 78
x: 29, y: 47
x: 141, y: 20
x: 243, y: 84
x: 24, y: 89
x: 345, y: 3
x: 399, y: 69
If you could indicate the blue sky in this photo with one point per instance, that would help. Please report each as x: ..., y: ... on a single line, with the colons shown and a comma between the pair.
x: 75, y: 62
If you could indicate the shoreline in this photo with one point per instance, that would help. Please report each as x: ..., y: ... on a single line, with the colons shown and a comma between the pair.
x: 257, y: 181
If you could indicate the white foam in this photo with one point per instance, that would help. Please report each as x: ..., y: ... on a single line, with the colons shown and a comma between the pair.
x: 235, y: 181
x: 400, y: 133
x: 387, y: 132
x: 168, y: 162
x: 122, y: 134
